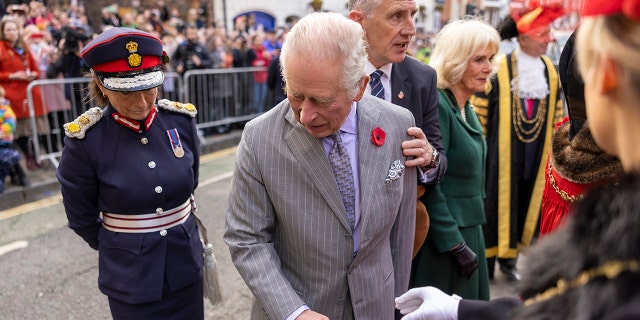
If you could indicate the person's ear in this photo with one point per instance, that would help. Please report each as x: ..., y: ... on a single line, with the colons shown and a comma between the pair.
x: 356, y: 16
x: 609, y: 75
x: 101, y: 88
x: 363, y: 88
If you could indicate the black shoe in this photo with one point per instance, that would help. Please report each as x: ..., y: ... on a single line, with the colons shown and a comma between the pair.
x: 18, y: 176
x: 511, y: 274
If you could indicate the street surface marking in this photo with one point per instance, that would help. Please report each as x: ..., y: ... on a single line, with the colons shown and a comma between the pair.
x: 13, y: 246
x: 215, y: 179
x: 16, y: 211
x: 218, y: 154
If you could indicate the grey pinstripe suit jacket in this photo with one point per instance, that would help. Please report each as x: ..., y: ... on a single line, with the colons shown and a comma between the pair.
x: 286, y: 225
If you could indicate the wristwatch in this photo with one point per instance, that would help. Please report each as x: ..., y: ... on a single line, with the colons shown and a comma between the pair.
x: 435, y: 158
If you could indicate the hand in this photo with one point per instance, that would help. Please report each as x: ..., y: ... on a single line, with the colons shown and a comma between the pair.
x: 19, y: 75
x: 311, y: 315
x: 196, y: 60
x: 418, y: 148
x: 426, y: 303
x: 466, y: 258
x: 31, y: 76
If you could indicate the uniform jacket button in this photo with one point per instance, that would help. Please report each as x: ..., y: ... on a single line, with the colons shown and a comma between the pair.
x: 152, y: 164
x: 158, y: 189
x: 163, y: 232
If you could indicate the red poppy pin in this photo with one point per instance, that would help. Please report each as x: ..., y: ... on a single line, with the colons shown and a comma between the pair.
x: 377, y: 136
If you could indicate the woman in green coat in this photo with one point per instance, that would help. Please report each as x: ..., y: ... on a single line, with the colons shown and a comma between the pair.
x: 453, y: 256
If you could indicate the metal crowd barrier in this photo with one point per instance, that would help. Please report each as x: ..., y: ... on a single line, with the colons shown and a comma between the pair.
x: 223, y: 97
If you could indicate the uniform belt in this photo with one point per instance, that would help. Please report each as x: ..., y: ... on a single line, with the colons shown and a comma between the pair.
x: 149, y: 222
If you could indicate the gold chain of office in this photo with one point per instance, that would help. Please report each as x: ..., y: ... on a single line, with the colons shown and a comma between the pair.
x: 519, y: 119
x: 563, y: 194
x: 610, y: 270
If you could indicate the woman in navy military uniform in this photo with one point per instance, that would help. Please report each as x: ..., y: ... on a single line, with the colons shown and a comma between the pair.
x: 128, y: 172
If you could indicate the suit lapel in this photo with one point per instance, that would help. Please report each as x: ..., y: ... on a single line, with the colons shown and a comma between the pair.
x: 400, y: 85
x: 369, y: 164
x: 310, y: 154
x: 470, y: 123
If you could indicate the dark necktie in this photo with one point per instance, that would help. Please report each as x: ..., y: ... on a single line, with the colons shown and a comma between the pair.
x: 341, y: 165
x: 377, y: 89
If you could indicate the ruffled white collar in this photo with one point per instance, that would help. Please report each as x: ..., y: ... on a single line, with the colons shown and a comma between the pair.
x: 531, y: 82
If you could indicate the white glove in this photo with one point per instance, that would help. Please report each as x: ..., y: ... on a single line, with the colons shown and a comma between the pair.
x: 427, y: 303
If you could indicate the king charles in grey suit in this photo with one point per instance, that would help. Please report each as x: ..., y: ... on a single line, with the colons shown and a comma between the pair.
x: 287, y: 227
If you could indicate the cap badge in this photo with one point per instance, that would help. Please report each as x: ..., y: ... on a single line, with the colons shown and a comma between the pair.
x: 134, y: 60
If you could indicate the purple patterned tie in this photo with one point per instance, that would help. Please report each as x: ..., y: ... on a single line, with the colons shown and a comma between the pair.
x: 377, y: 90
x: 341, y: 165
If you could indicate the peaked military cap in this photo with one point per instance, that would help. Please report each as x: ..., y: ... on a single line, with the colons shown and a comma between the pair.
x: 126, y: 59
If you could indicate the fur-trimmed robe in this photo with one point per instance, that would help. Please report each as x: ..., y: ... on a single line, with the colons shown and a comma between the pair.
x: 575, y: 166
x: 603, y: 228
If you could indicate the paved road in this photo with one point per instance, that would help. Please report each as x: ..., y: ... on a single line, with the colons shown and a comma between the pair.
x: 47, y: 272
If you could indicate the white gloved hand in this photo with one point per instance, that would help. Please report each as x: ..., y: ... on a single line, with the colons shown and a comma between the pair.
x: 426, y: 303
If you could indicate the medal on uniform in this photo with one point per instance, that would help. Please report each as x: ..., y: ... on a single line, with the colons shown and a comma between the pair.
x: 176, y: 144
x: 179, y: 152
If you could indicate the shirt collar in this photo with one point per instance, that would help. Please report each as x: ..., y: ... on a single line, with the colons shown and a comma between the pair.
x: 350, y: 124
x: 135, y: 125
x: 369, y: 68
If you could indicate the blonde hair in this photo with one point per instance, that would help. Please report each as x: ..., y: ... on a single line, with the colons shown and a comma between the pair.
x: 459, y: 41
x: 616, y: 36
x: 95, y: 94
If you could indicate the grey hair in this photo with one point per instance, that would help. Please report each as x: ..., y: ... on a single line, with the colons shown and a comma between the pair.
x: 459, y: 41
x: 364, y: 6
x: 326, y: 36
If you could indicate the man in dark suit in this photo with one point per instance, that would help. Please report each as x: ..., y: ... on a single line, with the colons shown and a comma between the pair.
x: 407, y: 82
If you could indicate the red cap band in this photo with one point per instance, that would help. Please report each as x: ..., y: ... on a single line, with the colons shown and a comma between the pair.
x: 121, y: 65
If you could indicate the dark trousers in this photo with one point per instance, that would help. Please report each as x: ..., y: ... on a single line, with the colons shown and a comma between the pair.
x: 504, y: 264
x: 186, y: 303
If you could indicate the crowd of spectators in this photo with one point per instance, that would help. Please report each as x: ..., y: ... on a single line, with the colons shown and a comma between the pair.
x: 54, y: 36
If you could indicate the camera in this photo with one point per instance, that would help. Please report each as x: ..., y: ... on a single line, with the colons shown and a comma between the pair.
x: 72, y: 37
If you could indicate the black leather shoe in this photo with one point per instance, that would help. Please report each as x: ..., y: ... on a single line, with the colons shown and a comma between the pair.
x: 511, y: 274
x: 18, y: 176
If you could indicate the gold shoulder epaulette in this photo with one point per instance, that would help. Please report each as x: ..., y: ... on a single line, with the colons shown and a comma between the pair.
x: 78, y: 127
x: 179, y: 107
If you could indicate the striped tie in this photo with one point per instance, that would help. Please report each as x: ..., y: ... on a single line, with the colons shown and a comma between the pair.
x: 341, y: 165
x: 377, y: 89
